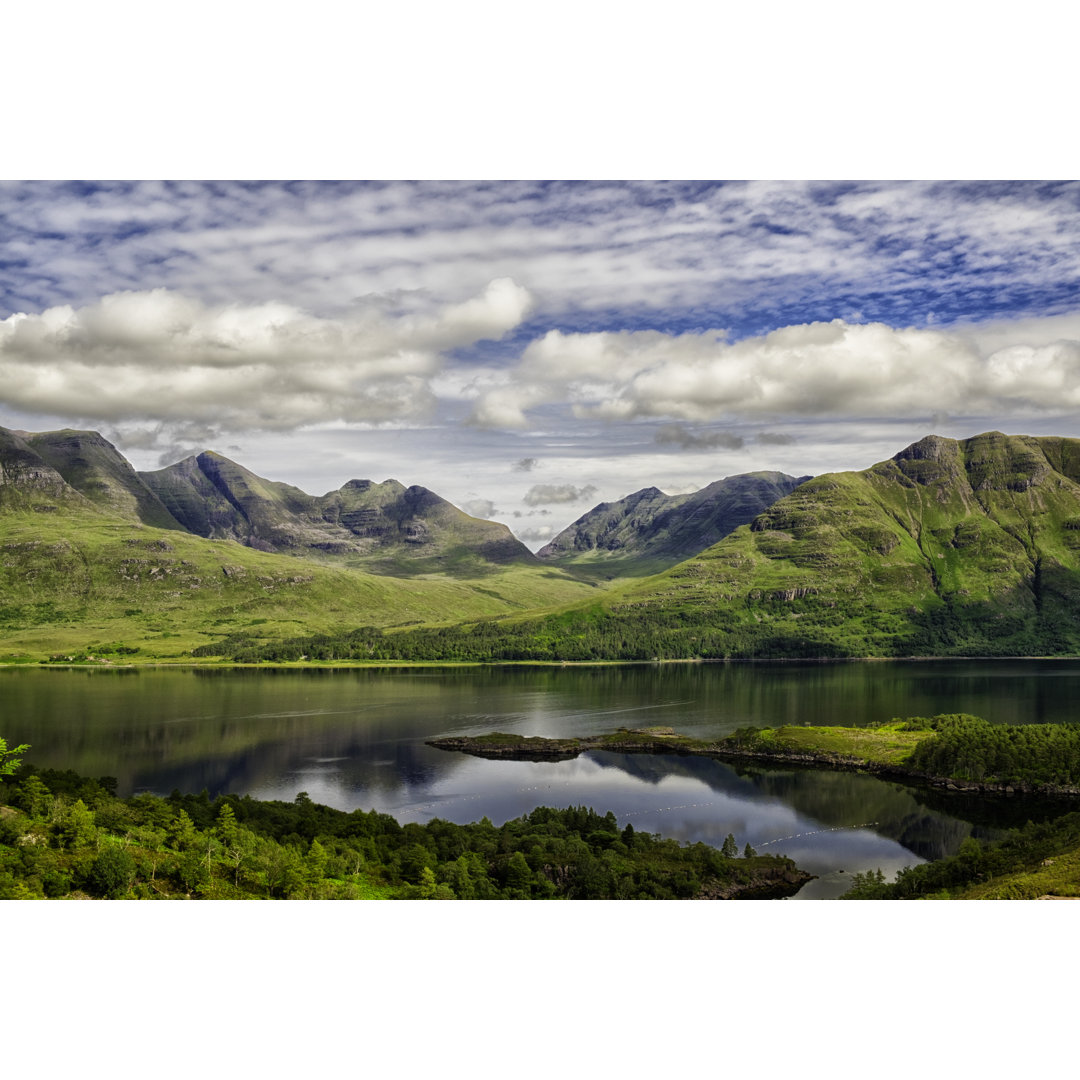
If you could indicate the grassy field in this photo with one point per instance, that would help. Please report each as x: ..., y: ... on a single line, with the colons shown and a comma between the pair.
x: 885, y: 744
x: 78, y: 583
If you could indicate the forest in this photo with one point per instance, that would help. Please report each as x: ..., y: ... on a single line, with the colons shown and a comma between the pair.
x: 645, y: 632
x: 66, y: 835
x: 967, y: 747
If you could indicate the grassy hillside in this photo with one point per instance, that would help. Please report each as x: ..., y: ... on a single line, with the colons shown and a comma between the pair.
x: 77, y: 582
x: 93, y: 562
x: 949, y: 548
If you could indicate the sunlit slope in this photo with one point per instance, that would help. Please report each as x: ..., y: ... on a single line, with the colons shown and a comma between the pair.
x: 70, y: 580
x: 950, y: 546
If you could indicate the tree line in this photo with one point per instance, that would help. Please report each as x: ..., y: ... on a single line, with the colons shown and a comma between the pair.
x: 64, y: 835
x: 658, y: 631
x: 1022, y: 851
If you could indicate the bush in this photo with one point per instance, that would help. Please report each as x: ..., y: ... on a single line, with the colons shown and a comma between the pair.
x: 112, y: 873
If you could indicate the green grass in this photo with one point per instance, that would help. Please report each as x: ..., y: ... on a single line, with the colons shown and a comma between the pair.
x: 884, y: 744
x: 70, y: 581
x: 1057, y: 875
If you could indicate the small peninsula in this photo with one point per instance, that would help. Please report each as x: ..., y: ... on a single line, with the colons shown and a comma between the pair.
x: 954, y: 751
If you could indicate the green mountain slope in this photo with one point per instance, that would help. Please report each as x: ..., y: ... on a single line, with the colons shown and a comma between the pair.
x: 385, y: 527
x: 97, y: 470
x: 28, y: 482
x: 649, y: 531
x: 948, y: 548
x: 87, y: 580
x: 82, y: 573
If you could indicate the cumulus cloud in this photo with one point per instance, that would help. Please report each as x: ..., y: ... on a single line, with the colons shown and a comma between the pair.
x: 536, y: 532
x: 685, y: 439
x: 549, y: 494
x: 479, y: 508
x: 813, y: 370
x: 165, y: 358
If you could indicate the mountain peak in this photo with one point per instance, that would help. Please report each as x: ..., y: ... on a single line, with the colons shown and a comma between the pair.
x: 651, y: 527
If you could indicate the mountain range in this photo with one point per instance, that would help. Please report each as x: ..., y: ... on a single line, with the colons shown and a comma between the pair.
x: 950, y: 547
x: 66, y: 496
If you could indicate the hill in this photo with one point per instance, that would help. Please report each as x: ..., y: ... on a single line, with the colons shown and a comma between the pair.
x: 648, y: 531
x: 92, y: 562
x: 952, y: 548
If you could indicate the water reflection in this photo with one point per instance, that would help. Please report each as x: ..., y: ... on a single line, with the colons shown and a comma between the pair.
x: 355, y: 738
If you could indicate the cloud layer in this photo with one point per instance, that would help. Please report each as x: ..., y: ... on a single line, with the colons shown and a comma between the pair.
x: 815, y: 370
x: 598, y: 336
x: 672, y: 256
x: 163, y: 357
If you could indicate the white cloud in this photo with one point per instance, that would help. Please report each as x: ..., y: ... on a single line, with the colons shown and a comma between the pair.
x: 833, y: 369
x: 535, y: 533
x: 479, y: 508
x: 166, y: 358
x: 549, y: 494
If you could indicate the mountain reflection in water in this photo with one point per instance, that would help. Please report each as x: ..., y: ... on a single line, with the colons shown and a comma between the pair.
x: 355, y: 739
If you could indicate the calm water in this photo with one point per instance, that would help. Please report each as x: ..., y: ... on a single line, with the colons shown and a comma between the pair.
x: 355, y: 738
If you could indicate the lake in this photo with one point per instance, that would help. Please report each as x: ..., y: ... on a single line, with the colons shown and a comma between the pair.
x: 354, y: 738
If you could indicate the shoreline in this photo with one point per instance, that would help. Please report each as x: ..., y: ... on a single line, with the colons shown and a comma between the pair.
x: 507, y: 747
x: 326, y: 665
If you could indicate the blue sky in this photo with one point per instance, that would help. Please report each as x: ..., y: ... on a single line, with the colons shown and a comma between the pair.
x: 527, y: 349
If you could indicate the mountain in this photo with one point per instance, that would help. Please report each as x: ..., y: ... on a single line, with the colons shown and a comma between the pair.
x: 28, y: 482
x: 949, y: 548
x: 91, y: 559
x: 387, y: 526
x: 649, y: 530
x: 96, y: 469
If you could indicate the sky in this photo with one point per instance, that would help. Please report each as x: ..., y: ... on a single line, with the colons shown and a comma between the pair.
x: 529, y: 349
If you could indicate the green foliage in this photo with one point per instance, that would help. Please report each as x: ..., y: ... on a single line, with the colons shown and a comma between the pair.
x: 1018, y: 858
x: 867, y: 886
x: 966, y: 747
x: 9, y: 759
x: 112, y: 873
x: 190, y: 846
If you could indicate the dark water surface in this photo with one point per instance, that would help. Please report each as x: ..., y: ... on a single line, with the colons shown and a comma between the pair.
x: 355, y: 738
